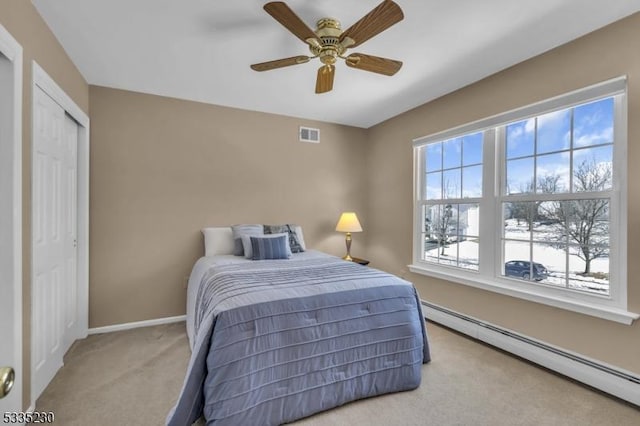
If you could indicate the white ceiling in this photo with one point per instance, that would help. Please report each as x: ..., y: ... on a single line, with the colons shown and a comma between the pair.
x: 201, y: 49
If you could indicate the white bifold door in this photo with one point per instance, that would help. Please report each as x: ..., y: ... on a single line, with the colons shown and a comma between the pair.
x: 54, y: 309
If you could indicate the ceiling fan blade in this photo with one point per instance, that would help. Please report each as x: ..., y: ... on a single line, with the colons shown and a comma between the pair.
x: 280, y: 63
x: 373, y: 63
x: 324, y: 82
x: 379, y: 19
x: 283, y: 14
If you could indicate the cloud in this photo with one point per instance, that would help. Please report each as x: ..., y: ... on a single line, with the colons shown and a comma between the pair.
x: 530, y: 125
x: 553, y: 119
x: 594, y: 138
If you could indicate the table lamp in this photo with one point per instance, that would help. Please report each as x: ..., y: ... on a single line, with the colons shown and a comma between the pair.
x: 348, y: 223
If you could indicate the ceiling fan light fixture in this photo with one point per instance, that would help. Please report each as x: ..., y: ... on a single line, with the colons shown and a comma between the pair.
x: 328, y: 56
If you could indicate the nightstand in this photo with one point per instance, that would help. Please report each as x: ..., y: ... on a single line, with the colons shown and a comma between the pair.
x: 360, y: 261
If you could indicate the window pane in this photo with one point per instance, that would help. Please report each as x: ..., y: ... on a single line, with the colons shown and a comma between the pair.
x: 433, y: 155
x: 434, y: 186
x: 468, y: 252
x: 516, y: 257
x: 452, y: 227
x: 448, y: 253
x: 432, y: 224
x: 549, y: 264
x: 431, y: 215
x: 521, y: 138
x: 596, y: 280
x: 588, y: 224
x: 518, y: 216
x: 469, y: 219
x: 592, y: 169
x: 552, y: 173
x: 472, y: 149
x: 593, y: 123
x: 452, y: 153
x: 554, y: 131
x: 472, y: 181
x: 519, y: 176
x: 431, y: 251
x: 547, y: 225
x: 452, y: 183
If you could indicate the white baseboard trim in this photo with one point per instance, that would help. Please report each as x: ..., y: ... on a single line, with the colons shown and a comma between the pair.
x: 137, y: 324
x: 607, y: 378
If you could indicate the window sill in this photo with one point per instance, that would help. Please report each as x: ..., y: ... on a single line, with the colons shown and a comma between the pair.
x: 600, y: 311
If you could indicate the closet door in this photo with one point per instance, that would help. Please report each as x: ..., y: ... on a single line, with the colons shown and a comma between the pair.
x: 54, y: 233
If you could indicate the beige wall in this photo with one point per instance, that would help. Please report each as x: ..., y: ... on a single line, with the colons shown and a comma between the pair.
x: 607, y: 53
x: 24, y: 23
x: 162, y: 169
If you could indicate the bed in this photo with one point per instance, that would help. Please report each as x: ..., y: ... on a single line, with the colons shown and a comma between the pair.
x: 274, y: 341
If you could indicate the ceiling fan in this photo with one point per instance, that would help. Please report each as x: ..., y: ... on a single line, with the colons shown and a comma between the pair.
x: 328, y: 42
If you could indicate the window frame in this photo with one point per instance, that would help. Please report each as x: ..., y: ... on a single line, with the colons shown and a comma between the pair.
x: 489, y: 275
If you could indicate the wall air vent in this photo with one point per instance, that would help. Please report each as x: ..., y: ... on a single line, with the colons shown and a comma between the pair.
x: 307, y: 134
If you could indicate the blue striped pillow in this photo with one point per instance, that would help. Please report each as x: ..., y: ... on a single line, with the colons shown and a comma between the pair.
x: 270, y: 248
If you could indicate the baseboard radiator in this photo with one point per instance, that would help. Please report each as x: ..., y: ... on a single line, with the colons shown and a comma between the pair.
x: 622, y: 384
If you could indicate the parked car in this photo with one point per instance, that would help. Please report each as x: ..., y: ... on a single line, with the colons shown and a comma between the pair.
x: 522, y: 269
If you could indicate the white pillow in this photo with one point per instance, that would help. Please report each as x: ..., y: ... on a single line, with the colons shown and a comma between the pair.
x: 218, y: 240
x: 248, y: 248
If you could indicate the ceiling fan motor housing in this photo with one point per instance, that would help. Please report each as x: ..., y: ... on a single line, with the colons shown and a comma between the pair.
x: 329, y: 31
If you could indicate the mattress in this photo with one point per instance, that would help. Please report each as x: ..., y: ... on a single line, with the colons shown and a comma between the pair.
x: 277, y: 340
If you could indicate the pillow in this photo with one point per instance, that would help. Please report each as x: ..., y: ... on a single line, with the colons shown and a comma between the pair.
x: 270, y: 248
x: 218, y: 240
x: 295, y: 240
x: 248, y: 247
x: 298, y: 231
x: 238, y: 230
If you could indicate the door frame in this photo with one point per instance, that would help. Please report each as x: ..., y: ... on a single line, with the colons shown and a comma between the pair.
x: 43, y: 81
x: 12, y: 50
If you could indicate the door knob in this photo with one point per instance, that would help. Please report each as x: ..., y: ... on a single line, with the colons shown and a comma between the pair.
x: 7, y: 377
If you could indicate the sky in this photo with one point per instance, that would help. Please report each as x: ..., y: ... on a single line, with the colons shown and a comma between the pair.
x: 536, y: 147
x: 544, y: 145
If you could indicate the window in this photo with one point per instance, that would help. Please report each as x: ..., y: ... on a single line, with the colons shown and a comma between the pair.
x: 531, y: 203
x: 556, y: 197
x: 453, y: 183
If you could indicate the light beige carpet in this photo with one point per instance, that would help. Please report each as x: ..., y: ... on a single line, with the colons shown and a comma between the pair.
x: 133, y: 378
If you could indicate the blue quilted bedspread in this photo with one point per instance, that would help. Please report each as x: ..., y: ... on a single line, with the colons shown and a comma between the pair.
x: 276, y: 341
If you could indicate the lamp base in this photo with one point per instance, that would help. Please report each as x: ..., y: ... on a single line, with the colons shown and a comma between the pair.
x: 348, y: 242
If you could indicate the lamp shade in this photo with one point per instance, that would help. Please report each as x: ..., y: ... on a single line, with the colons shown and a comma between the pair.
x: 348, y: 223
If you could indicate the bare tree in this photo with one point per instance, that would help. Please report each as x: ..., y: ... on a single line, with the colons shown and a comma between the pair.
x: 438, y: 225
x: 530, y: 210
x: 585, y: 222
x: 520, y: 210
x: 446, y: 214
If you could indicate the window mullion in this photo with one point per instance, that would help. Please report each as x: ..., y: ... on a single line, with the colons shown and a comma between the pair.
x: 488, y: 211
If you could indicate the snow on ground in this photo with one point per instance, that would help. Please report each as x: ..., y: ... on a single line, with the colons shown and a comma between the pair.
x: 465, y: 254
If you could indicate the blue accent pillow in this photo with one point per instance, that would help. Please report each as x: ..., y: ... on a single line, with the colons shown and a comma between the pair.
x: 270, y: 248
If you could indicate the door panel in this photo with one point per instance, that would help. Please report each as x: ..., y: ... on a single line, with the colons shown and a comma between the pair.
x: 54, y: 234
x: 69, y: 191
x: 10, y: 221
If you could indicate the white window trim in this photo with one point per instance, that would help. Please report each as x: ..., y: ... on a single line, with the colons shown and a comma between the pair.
x: 612, y: 307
